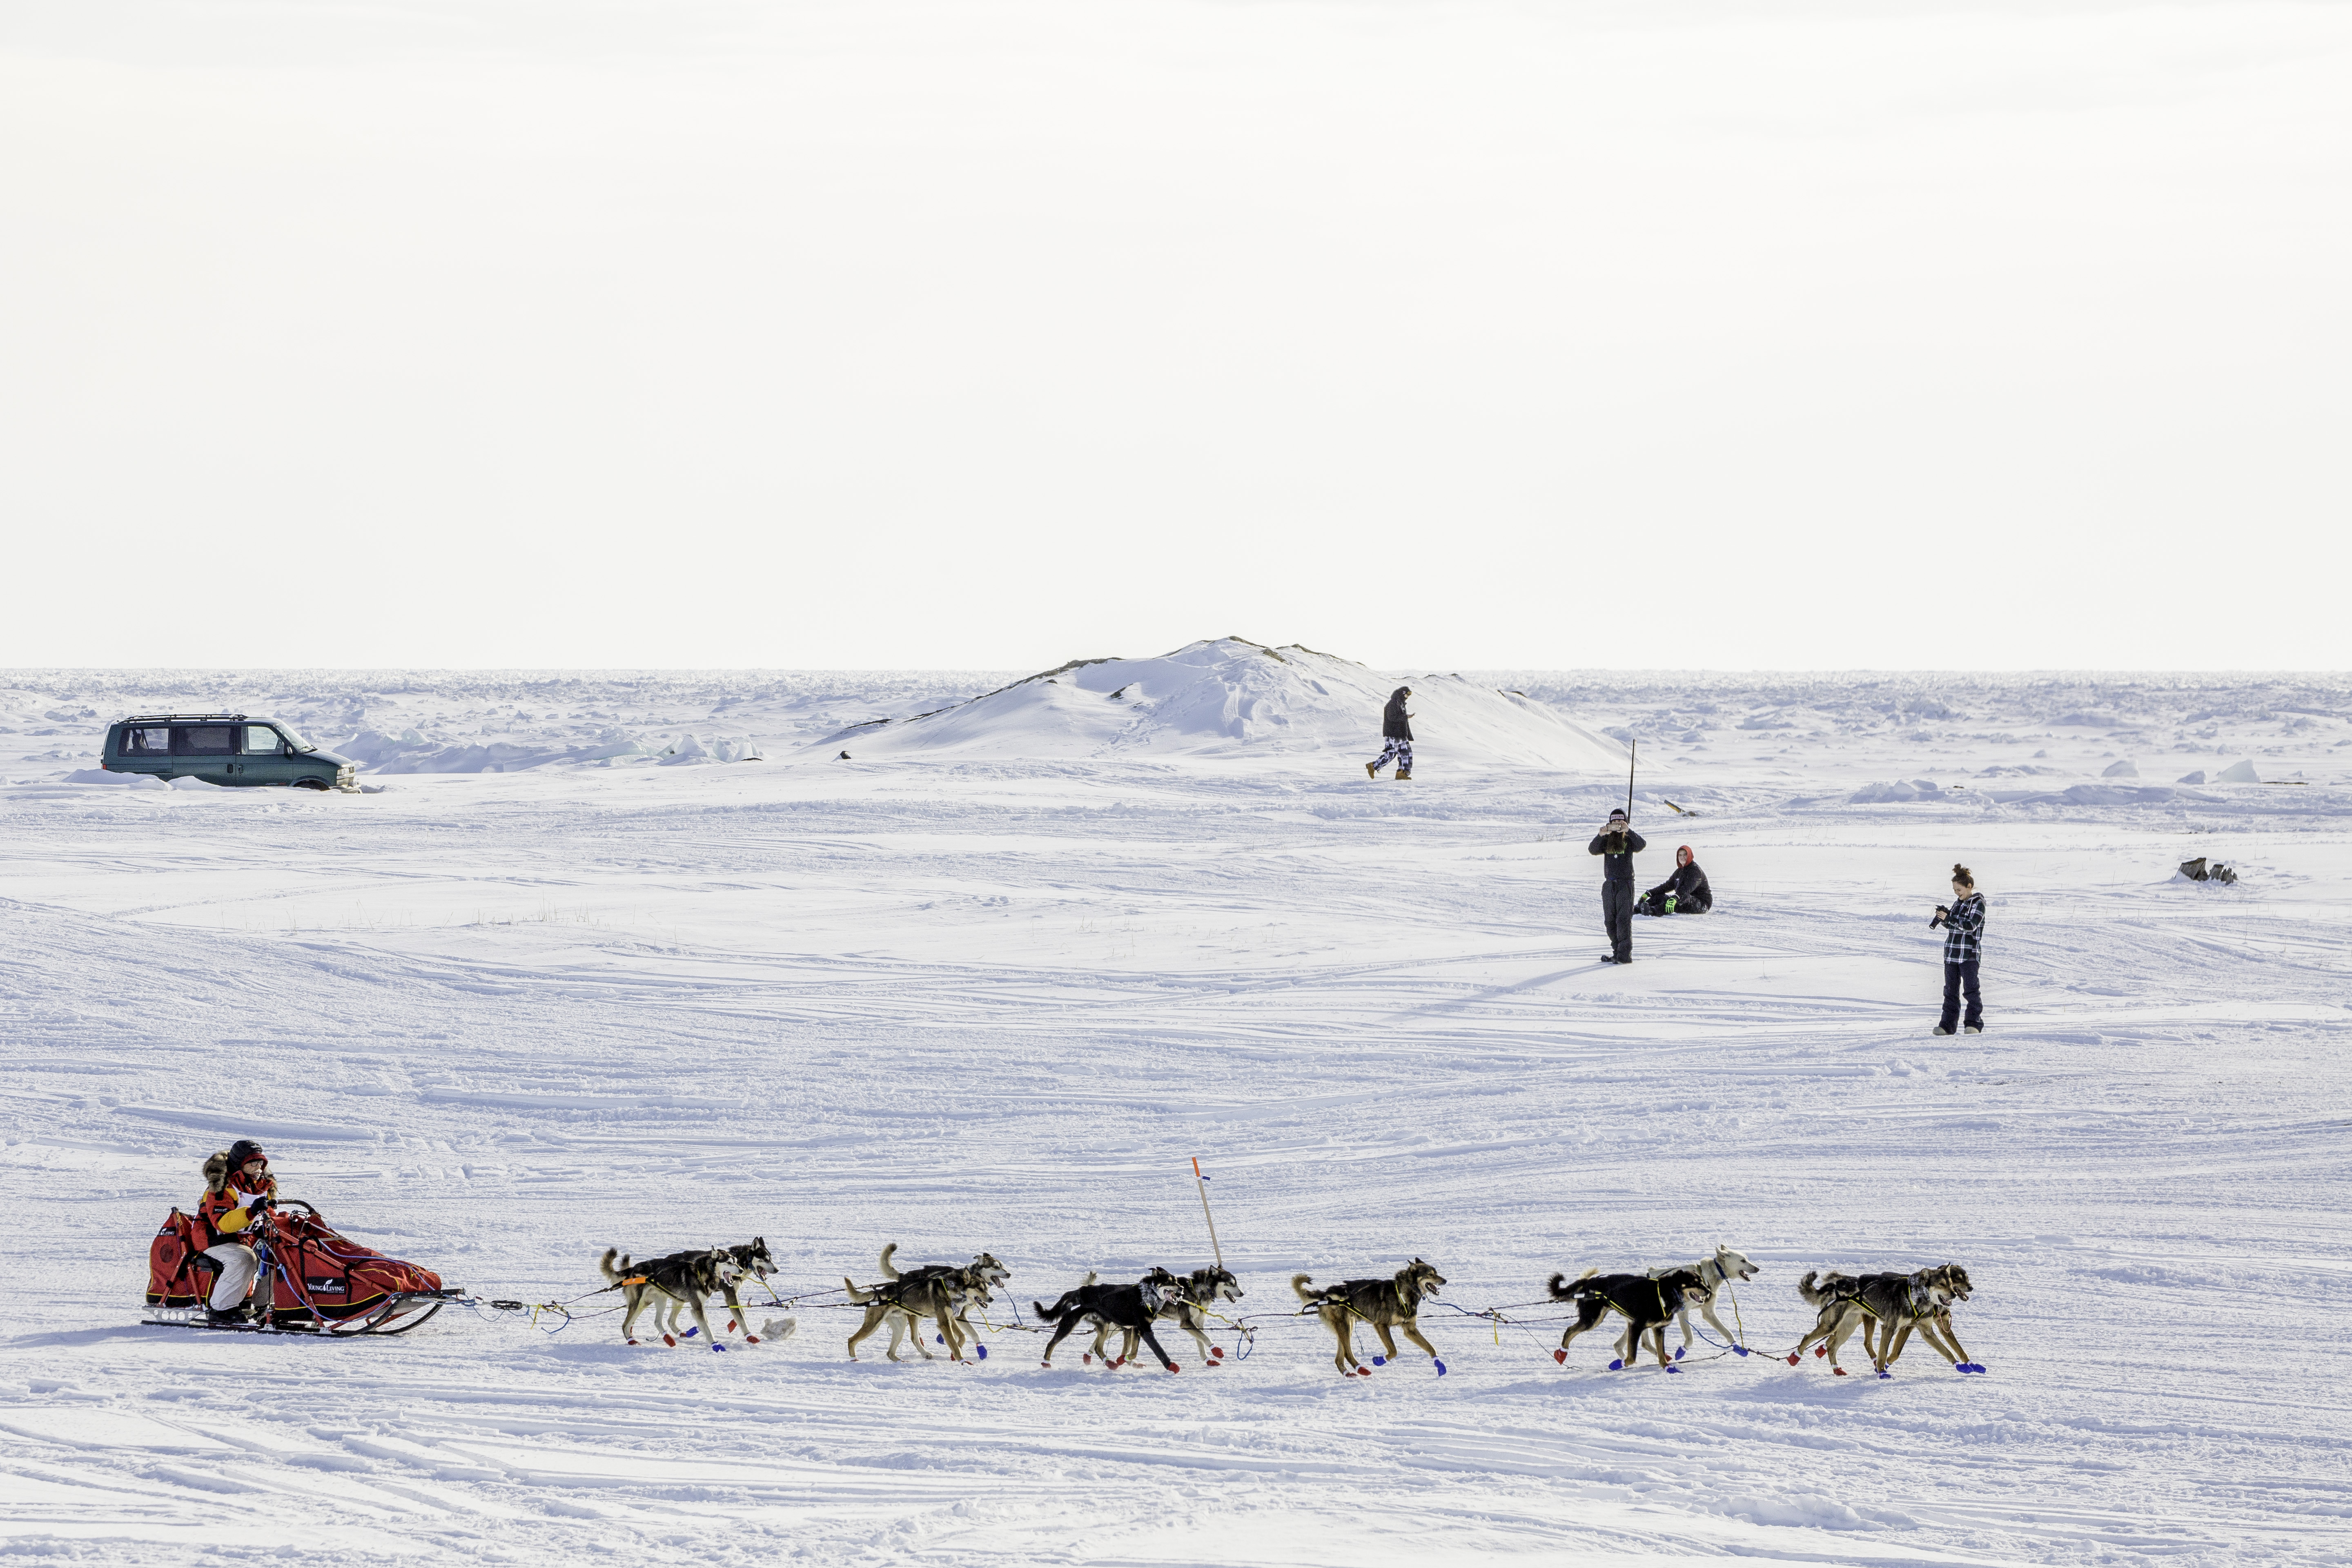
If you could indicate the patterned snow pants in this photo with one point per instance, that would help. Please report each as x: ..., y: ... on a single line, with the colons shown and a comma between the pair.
x: 1400, y: 750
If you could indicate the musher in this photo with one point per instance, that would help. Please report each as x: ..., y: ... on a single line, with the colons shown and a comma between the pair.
x: 235, y: 1182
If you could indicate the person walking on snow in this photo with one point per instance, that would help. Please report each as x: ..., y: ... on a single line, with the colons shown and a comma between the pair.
x: 235, y: 1182
x: 1686, y: 888
x: 1617, y: 843
x: 1396, y: 728
x: 1963, y: 925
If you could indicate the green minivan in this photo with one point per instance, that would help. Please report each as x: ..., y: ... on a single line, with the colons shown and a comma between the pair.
x: 223, y: 749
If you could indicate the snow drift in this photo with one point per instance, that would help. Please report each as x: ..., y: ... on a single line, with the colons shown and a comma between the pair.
x: 1228, y: 697
x: 1883, y: 794
x: 411, y: 753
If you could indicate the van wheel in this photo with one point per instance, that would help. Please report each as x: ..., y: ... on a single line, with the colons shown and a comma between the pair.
x: 310, y: 784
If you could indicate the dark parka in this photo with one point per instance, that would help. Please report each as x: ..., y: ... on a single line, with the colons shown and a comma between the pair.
x: 1617, y: 850
x: 1393, y: 726
x: 1688, y: 885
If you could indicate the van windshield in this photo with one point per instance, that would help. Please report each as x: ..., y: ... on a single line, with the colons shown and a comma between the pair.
x: 294, y: 737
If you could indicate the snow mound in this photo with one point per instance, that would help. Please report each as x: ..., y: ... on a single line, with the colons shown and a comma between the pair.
x: 413, y: 752
x: 119, y: 781
x: 1228, y: 697
x: 2105, y: 794
x: 2239, y: 772
x: 1895, y: 793
x: 721, y: 749
x: 2120, y: 770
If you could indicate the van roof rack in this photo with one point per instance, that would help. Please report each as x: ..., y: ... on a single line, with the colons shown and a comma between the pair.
x: 174, y: 718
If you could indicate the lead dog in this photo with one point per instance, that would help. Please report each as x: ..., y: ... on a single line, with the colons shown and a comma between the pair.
x: 1927, y: 1310
x: 682, y: 1278
x: 1128, y: 1307
x: 1647, y: 1302
x: 1888, y: 1308
x: 1394, y: 1302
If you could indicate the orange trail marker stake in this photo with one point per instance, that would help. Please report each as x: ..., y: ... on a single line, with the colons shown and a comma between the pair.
x: 1201, y: 1183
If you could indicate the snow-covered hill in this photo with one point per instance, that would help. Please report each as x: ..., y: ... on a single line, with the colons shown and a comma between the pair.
x: 1228, y: 697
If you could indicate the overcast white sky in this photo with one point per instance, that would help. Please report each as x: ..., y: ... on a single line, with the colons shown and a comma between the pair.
x: 989, y: 334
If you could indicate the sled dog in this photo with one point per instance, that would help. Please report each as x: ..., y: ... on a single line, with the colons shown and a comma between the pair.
x: 937, y: 1291
x: 1187, y: 1305
x: 1922, y: 1303
x: 1104, y: 1327
x: 752, y: 1260
x: 1131, y: 1308
x: 1647, y: 1302
x: 1721, y: 1267
x: 681, y: 1279
x: 1384, y: 1304
x: 1884, y: 1307
x: 991, y: 1273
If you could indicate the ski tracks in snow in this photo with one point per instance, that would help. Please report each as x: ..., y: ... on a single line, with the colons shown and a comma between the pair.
x: 963, y: 1019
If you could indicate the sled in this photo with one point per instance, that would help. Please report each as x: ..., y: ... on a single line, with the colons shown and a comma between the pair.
x: 312, y: 1280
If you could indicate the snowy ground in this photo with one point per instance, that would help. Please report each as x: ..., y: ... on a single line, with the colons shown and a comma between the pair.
x: 495, y: 1022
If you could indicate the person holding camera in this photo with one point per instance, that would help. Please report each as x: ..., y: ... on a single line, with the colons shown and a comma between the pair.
x: 1617, y: 843
x: 1963, y: 926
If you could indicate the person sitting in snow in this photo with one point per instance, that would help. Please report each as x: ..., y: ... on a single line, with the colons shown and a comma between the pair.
x: 1396, y: 728
x: 235, y: 1182
x: 1684, y: 893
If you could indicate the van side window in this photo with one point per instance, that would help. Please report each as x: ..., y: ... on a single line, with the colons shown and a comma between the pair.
x: 260, y: 740
x: 141, y: 742
x: 204, y: 740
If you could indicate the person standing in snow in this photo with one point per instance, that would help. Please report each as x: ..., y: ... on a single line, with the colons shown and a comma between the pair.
x: 235, y: 1182
x: 1963, y: 925
x: 1396, y: 728
x: 1617, y: 843
x: 1687, y: 888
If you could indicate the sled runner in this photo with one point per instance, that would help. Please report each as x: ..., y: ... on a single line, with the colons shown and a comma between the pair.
x: 312, y: 1280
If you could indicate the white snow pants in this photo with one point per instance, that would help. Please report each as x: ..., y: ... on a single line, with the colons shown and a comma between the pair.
x: 238, y: 1266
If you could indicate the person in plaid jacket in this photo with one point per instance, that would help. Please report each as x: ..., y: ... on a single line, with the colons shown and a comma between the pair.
x: 1963, y: 925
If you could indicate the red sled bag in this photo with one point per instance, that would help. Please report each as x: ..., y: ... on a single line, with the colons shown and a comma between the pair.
x: 316, y: 1273
x: 171, y: 1278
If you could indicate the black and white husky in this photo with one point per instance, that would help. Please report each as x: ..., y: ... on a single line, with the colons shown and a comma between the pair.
x: 680, y: 1281
x: 1187, y: 1304
x: 1723, y: 1267
x: 1647, y: 1302
x: 1131, y: 1308
x: 756, y: 1263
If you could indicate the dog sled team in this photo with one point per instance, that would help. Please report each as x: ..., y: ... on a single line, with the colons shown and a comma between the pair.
x: 940, y: 1299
